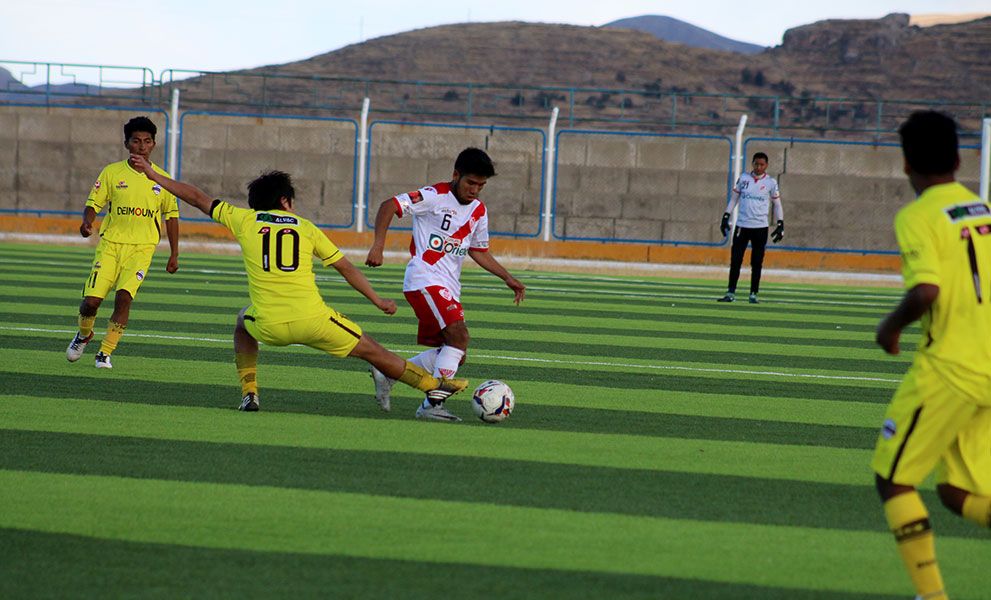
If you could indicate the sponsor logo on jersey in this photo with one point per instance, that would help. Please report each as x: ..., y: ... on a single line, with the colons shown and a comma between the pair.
x: 277, y: 219
x: 968, y: 211
x: 96, y: 185
x: 136, y: 211
x: 140, y: 275
x: 121, y: 185
x: 157, y: 189
x: 449, y: 245
x: 889, y: 429
x: 415, y: 197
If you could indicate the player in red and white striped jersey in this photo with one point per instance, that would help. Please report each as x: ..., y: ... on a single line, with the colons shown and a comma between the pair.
x: 449, y: 223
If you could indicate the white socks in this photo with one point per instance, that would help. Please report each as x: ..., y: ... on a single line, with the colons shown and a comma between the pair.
x: 448, y: 360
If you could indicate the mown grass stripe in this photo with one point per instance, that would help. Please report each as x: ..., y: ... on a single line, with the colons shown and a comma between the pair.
x: 100, y: 568
x: 617, y: 450
x: 494, y: 480
x: 312, y: 522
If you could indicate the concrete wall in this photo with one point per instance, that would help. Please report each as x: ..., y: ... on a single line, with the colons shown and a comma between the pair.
x: 50, y: 157
x: 407, y: 157
x: 844, y: 196
x: 631, y: 187
x: 640, y: 187
x: 221, y: 154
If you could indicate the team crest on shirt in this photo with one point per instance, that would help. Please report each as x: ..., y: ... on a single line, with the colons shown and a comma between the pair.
x: 157, y: 189
x: 96, y: 185
x: 445, y: 294
x: 888, y: 430
x: 140, y: 275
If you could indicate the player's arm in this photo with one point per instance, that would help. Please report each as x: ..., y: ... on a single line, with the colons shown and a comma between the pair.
x: 383, y: 219
x: 914, y: 304
x: 779, y: 217
x: 359, y: 282
x: 490, y: 264
x: 172, y: 230
x: 188, y: 193
x: 734, y: 199
x: 86, y: 227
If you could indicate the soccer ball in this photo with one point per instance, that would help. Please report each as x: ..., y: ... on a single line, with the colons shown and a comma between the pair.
x: 493, y: 401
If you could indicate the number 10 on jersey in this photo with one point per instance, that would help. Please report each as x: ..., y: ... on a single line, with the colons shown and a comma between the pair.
x: 280, y: 253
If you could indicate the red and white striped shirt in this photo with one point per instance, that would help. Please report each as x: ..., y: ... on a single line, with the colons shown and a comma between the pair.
x: 443, y: 232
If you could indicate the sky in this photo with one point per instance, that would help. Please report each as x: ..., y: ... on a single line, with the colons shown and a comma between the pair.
x: 221, y: 35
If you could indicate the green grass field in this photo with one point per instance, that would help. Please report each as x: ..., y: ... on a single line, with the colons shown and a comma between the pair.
x: 663, y: 446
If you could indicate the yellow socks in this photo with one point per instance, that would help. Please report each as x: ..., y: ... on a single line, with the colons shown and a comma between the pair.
x: 114, y: 331
x: 247, y: 372
x: 909, y: 521
x: 86, y: 326
x: 977, y: 509
x: 418, y: 378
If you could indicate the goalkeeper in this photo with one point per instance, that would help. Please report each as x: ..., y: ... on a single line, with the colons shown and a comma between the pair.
x: 755, y: 192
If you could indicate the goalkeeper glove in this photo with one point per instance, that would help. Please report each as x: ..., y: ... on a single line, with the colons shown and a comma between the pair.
x: 779, y: 232
x: 724, y: 224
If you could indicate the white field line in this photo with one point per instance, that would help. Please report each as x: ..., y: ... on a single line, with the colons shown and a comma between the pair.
x: 532, y: 288
x: 522, y: 359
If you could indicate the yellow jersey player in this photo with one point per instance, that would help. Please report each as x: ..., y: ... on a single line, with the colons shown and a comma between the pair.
x: 940, y: 416
x: 132, y: 228
x: 278, y: 247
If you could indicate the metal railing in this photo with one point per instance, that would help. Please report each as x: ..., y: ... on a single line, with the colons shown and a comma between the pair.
x: 649, y: 106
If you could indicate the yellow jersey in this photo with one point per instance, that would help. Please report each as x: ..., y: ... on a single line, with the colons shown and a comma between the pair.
x: 277, y: 247
x: 136, y: 205
x: 945, y: 240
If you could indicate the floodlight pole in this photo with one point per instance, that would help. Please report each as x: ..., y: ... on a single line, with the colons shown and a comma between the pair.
x: 737, y: 165
x: 173, y: 164
x: 362, y: 163
x: 986, y: 159
x: 549, y: 174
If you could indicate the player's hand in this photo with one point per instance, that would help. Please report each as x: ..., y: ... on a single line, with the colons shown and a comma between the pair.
x: 173, y: 265
x: 387, y: 306
x: 778, y: 233
x: 139, y: 164
x: 374, y: 258
x: 519, y: 290
x: 85, y: 229
x: 724, y: 225
x: 887, y: 337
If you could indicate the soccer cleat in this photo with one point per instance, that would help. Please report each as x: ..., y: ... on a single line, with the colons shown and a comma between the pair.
x: 383, y: 389
x: 436, y: 412
x: 103, y: 361
x: 729, y: 297
x: 446, y: 389
x: 77, y: 346
x: 249, y: 403
x: 753, y: 299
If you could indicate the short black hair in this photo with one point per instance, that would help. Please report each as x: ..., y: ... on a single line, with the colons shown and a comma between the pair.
x: 474, y: 161
x: 139, y: 124
x: 760, y: 155
x: 265, y: 191
x: 929, y: 142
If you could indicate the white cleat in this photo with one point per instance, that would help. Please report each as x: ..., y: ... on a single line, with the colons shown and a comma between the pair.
x: 383, y: 389
x: 436, y: 412
x: 76, y: 347
x: 103, y: 361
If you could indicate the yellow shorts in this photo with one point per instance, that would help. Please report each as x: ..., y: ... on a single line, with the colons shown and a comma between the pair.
x: 331, y: 332
x: 123, y: 266
x: 935, y: 423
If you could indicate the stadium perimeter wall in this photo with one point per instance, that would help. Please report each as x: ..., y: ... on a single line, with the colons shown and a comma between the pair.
x: 617, y: 196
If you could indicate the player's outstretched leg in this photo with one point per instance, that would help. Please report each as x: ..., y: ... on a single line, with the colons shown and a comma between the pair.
x: 394, y: 367
x: 383, y: 385
x: 908, y: 520
x: 246, y: 361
